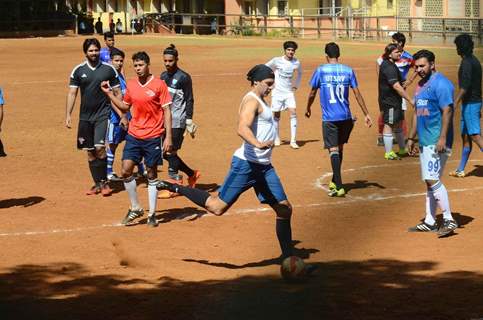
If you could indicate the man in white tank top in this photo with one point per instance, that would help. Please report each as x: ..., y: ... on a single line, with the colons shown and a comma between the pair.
x: 251, y: 164
x: 283, y: 95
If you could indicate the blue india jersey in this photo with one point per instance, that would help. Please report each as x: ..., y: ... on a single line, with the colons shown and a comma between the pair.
x: 105, y: 55
x: 430, y: 101
x: 334, y: 81
x: 1, y: 97
x: 114, y: 117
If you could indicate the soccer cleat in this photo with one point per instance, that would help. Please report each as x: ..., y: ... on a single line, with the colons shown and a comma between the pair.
x: 391, y: 156
x: 402, y: 153
x: 423, y: 227
x: 131, y: 215
x: 106, y: 190
x: 93, y: 191
x: 332, y: 185
x: 113, y: 177
x: 294, y: 145
x: 336, y: 192
x: 277, y: 142
x: 448, y: 227
x: 194, y: 178
x: 152, y: 222
x: 168, y: 194
x: 380, y: 141
x: 457, y: 174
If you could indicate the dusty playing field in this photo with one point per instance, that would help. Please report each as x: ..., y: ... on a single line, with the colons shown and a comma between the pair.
x: 64, y: 256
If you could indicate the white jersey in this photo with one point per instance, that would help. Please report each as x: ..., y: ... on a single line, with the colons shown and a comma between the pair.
x: 284, y: 71
x: 263, y: 127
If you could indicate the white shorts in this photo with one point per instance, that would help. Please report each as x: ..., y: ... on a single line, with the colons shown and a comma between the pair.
x: 281, y: 103
x: 432, y: 162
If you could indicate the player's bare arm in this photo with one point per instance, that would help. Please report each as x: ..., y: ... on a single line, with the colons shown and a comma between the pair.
x: 362, y: 104
x: 459, y: 97
x: 69, y: 106
x: 115, y: 99
x: 168, y: 141
x: 412, y: 134
x: 298, y: 79
x: 411, y: 79
x: 400, y: 90
x: 248, y: 110
x: 310, y: 101
x: 445, y: 121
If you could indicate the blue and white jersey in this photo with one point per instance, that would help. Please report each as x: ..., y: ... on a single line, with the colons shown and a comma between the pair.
x: 1, y: 97
x: 430, y: 100
x: 334, y: 81
x: 404, y: 64
x: 105, y: 55
x: 114, y: 118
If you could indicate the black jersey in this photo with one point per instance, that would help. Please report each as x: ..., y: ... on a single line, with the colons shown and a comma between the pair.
x: 469, y: 78
x: 181, y: 89
x: 388, y: 75
x: 95, y: 105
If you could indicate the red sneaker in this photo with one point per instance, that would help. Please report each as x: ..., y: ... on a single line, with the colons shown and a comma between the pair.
x: 106, y: 190
x: 194, y: 178
x: 93, y: 191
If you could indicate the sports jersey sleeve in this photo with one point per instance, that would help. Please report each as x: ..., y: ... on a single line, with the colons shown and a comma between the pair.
x: 465, y: 81
x: 74, y: 81
x: 164, y: 96
x: 390, y: 73
x: 188, y: 95
x: 353, y: 79
x: 315, y: 81
x: 299, y: 76
x: 379, y: 60
x: 272, y: 64
x: 444, y: 94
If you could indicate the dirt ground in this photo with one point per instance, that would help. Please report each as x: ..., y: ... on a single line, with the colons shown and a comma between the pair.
x: 63, y: 255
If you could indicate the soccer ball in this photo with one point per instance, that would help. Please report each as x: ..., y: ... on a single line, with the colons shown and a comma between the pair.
x: 292, y: 268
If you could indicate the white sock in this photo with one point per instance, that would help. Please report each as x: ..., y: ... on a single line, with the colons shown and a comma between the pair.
x: 430, y: 208
x: 130, y: 186
x: 387, y: 142
x: 152, y: 195
x: 293, y: 127
x: 400, y: 138
x: 277, y: 126
x: 441, y: 196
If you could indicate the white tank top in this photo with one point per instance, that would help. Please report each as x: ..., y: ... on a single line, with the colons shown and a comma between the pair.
x: 263, y: 129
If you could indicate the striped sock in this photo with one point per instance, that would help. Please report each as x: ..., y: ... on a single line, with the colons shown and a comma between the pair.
x: 110, y: 160
x: 465, y: 154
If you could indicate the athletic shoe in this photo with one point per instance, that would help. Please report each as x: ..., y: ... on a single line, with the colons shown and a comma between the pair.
x: 113, y: 177
x: 167, y: 189
x: 336, y: 192
x: 106, y: 190
x: 332, y: 185
x: 402, y: 153
x: 391, y: 156
x: 131, y: 215
x: 194, y: 178
x: 424, y: 227
x: 277, y: 142
x: 380, y: 141
x: 448, y: 227
x: 457, y: 174
x: 152, y: 222
x: 93, y: 191
x: 294, y: 145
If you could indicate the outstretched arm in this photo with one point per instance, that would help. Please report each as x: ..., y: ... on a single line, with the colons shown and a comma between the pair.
x: 69, y: 106
x: 310, y: 101
x: 362, y: 104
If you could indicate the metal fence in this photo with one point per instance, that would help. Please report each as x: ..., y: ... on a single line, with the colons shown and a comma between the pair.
x: 345, y: 24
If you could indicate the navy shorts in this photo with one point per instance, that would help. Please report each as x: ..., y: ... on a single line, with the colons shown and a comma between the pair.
x: 244, y: 175
x: 149, y: 149
x: 115, y: 133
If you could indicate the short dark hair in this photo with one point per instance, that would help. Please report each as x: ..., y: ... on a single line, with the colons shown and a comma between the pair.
x: 332, y: 50
x: 116, y: 52
x: 108, y: 34
x: 141, y: 55
x: 388, y: 49
x: 171, y: 50
x: 464, y: 44
x: 290, y: 44
x: 400, y: 38
x: 91, y: 42
x: 424, y: 54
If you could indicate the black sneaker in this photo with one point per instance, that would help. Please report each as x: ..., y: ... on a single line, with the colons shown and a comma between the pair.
x: 152, y: 222
x: 131, y: 215
x: 424, y: 227
x: 448, y: 227
x: 165, y: 185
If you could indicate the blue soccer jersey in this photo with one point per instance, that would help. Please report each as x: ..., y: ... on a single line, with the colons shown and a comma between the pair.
x: 334, y: 80
x: 1, y: 97
x: 105, y: 55
x: 114, y: 118
x: 430, y: 100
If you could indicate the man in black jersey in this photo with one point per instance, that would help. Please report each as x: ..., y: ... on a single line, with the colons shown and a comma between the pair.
x: 181, y: 91
x: 95, y: 108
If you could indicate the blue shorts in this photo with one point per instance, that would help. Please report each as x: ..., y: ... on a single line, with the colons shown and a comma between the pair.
x: 115, y: 133
x: 244, y: 175
x: 470, y: 118
x: 149, y: 149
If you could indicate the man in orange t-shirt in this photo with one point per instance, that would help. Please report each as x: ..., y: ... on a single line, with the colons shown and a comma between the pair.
x: 149, y: 133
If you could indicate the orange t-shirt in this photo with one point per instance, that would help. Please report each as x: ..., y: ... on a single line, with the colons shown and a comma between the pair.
x: 147, y: 107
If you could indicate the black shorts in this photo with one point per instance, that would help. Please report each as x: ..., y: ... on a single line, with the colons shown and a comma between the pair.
x: 177, y: 137
x: 91, y: 134
x: 392, y: 115
x: 336, y: 133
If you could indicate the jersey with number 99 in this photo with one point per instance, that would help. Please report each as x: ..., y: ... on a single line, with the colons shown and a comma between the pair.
x: 334, y: 81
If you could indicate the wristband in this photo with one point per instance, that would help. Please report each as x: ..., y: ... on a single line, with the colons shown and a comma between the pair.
x: 189, y: 121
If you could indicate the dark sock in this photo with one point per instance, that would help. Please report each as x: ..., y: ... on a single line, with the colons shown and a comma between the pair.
x: 184, y: 167
x: 195, y: 195
x: 335, y: 162
x: 2, y: 151
x: 102, y: 169
x: 173, y: 162
x: 93, y: 170
x: 284, y: 235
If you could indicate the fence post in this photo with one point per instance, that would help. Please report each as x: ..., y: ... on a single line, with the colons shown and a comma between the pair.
x: 378, y: 26
x: 410, y: 28
x: 444, y: 30
x: 318, y: 27
x: 265, y: 24
x: 193, y: 22
x: 479, y: 31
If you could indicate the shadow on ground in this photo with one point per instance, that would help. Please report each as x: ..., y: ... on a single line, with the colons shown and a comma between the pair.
x: 24, y: 202
x: 371, y: 289
x: 477, y: 171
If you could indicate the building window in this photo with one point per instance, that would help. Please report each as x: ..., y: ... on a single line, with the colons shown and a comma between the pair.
x: 282, y: 8
x: 389, y: 4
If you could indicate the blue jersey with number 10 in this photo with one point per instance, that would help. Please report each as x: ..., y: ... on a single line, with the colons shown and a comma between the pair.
x: 334, y: 81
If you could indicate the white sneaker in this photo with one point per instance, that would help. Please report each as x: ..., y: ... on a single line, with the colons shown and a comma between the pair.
x: 277, y: 142
x: 294, y: 145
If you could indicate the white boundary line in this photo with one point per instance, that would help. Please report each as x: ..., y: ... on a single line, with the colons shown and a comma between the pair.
x: 318, y: 184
